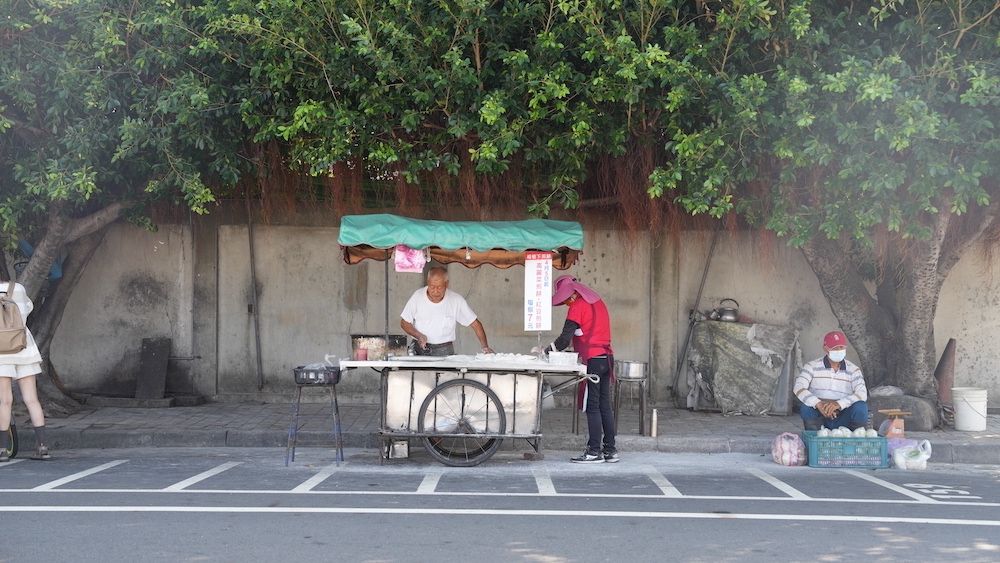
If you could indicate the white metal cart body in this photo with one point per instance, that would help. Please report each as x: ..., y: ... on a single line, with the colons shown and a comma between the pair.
x: 462, y: 407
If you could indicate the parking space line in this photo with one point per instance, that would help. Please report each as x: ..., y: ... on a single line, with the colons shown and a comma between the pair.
x: 11, y: 462
x: 70, y: 478
x: 779, y: 484
x: 891, y: 486
x: 316, y: 479
x: 825, y: 519
x: 668, y: 489
x: 181, y: 485
x: 429, y: 484
x: 543, y: 480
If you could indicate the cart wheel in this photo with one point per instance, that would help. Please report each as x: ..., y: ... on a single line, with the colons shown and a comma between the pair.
x: 12, y: 449
x: 462, y: 406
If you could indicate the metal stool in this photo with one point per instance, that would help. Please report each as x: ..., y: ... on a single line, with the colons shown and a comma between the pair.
x: 297, y: 416
x: 642, y: 400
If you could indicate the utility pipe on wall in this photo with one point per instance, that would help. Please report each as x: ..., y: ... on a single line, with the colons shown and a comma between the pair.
x: 253, y: 301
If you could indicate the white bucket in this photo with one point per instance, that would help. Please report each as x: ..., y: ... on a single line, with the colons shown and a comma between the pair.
x: 970, y: 408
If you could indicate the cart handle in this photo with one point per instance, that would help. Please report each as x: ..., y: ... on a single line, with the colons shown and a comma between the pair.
x: 589, y: 377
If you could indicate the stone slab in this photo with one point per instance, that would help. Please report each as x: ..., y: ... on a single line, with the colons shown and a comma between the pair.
x: 152, y: 380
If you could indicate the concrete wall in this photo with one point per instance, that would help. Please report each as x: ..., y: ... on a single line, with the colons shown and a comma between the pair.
x: 137, y: 286
x: 195, y: 284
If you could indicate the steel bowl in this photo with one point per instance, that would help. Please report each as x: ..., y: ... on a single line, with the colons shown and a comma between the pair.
x: 628, y: 369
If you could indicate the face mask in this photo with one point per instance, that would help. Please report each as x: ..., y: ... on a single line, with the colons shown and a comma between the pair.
x: 837, y: 355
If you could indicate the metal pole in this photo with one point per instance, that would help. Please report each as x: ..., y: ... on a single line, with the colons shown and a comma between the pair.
x: 386, y: 291
x: 253, y: 298
x: 697, y: 301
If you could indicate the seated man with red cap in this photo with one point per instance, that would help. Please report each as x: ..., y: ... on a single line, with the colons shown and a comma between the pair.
x: 832, y: 389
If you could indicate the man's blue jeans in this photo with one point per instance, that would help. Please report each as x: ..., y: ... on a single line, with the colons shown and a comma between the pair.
x: 858, y: 412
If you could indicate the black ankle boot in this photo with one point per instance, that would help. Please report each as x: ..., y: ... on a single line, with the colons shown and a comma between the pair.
x: 812, y: 423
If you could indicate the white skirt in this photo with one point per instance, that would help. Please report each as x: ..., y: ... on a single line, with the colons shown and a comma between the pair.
x: 17, y: 371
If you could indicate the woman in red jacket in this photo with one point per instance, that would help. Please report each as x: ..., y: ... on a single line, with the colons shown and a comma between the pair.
x: 588, y: 326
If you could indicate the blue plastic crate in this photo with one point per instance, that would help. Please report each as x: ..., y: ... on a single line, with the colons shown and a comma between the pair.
x: 846, y: 452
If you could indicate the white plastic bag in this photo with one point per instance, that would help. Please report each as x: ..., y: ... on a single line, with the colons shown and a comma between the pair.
x: 919, y: 459
x: 789, y: 449
x: 912, y: 456
x: 548, y: 400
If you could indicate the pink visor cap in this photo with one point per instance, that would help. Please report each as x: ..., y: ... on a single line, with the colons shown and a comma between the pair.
x: 566, y: 285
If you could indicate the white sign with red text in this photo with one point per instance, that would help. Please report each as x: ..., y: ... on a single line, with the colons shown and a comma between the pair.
x: 538, y: 291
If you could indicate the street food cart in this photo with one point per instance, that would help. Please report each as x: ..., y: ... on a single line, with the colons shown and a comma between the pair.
x: 462, y: 407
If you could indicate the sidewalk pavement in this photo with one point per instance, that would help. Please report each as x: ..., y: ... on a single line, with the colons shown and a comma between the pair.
x: 265, y: 425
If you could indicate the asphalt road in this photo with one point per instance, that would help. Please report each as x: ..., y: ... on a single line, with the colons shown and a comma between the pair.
x: 198, y: 504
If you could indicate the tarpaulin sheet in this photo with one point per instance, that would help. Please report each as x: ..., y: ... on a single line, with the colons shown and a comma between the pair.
x: 472, y: 243
x: 743, y: 368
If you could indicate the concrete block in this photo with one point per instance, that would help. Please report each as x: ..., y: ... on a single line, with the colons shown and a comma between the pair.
x: 257, y: 438
x: 973, y: 453
x: 190, y: 438
x: 188, y: 400
x: 687, y: 445
x: 750, y: 445
x: 942, y: 452
x: 130, y: 403
x: 107, y: 438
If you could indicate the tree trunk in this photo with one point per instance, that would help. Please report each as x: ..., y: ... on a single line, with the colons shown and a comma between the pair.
x: 895, y: 340
x: 869, y: 326
x: 80, y: 237
x: 46, y: 250
x: 46, y: 318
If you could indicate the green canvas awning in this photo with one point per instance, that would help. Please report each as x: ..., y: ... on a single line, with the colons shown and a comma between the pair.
x: 470, y: 243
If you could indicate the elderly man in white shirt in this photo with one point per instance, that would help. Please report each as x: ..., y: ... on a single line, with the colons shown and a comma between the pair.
x: 431, y: 314
x: 832, y: 389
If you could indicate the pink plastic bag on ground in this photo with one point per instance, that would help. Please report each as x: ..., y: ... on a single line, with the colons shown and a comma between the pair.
x: 789, y: 449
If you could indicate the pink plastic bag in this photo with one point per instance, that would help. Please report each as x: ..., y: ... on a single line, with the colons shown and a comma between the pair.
x: 409, y: 259
x: 789, y: 449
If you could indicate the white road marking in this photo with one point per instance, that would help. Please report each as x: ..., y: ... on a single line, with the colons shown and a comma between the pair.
x: 11, y: 462
x: 824, y: 518
x: 779, y: 484
x: 430, y: 481
x: 316, y: 479
x: 668, y: 489
x: 181, y: 485
x: 70, y: 478
x: 543, y: 481
x: 890, y: 486
x: 503, y: 494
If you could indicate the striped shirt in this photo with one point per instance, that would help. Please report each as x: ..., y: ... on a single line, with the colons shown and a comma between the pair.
x: 818, y: 380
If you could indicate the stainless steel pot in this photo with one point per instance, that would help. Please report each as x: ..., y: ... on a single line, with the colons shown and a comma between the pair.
x: 376, y: 345
x: 627, y: 369
x: 729, y: 314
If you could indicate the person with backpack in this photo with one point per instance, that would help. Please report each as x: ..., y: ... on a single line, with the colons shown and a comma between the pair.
x: 22, y: 366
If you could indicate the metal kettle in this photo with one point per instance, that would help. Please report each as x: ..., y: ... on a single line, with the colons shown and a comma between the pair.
x: 727, y: 314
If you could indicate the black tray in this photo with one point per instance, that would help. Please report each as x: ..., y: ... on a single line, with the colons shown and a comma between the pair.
x: 323, y: 376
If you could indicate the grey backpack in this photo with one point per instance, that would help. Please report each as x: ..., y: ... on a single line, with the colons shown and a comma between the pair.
x: 13, y: 334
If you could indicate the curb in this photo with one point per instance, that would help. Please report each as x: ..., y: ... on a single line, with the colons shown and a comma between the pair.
x: 63, y: 438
